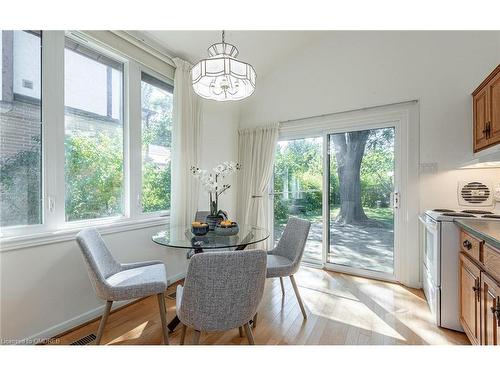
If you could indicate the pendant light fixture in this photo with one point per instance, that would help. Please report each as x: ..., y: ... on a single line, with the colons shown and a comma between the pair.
x: 222, y: 77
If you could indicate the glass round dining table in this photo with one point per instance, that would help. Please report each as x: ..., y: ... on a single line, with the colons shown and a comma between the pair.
x: 180, y: 237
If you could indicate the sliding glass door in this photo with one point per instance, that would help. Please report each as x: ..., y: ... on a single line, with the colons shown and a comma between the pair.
x: 298, y: 190
x: 353, y: 226
x: 361, y: 171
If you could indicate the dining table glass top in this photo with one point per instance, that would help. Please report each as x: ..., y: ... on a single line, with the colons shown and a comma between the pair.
x: 181, y: 237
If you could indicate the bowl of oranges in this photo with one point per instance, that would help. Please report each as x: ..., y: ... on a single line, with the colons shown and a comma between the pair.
x: 226, y: 228
x: 199, y: 228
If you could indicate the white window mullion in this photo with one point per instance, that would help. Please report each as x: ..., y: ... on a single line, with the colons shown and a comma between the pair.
x: 53, y: 127
x: 134, y: 158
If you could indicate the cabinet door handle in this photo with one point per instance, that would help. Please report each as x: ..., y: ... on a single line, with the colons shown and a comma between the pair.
x: 467, y: 244
x: 496, y: 310
x: 488, y: 129
x: 477, y: 290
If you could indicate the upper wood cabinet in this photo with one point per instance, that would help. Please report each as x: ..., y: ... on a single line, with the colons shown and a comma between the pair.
x: 486, y: 112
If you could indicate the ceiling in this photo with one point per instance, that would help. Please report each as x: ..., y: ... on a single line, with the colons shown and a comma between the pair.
x: 263, y: 49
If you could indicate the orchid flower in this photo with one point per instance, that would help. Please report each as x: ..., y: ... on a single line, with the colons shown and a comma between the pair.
x: 210, y: 181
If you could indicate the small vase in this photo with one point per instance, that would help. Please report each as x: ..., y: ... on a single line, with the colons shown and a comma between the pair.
x: 213, y: 220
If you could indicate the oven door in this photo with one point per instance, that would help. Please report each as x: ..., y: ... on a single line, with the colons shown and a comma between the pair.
x: 433, y: 296
x: 431, y: 246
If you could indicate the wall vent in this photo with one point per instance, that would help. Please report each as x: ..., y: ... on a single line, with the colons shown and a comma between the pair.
x: 85, y: 340
x: 28, y: 84
x: 474, y: 193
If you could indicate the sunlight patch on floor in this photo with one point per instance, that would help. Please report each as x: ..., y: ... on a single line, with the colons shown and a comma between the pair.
x: 132, y: 334
x: 356, y: 314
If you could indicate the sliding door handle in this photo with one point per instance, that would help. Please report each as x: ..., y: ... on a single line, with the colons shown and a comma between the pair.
x: 395, y: 199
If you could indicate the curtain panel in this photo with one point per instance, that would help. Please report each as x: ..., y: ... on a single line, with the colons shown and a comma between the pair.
x: 256, y: 151
x: 186, y: 142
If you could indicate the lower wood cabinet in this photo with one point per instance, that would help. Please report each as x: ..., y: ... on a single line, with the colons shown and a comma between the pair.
x: 490, y: 312
x: 470, y: 301
x: 480, y: 294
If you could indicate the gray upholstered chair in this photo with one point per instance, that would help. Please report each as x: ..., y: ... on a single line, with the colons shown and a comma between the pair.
x: 284, y: 259
x: 113, y: 281
x: 222, y: 291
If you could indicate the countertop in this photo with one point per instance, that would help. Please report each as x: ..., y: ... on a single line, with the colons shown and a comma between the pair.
x: 487, y: 230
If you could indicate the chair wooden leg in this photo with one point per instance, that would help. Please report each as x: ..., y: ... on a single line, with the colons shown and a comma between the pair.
x: 249, y: 333
x: 163, y: 317
x: 196, y: 337
x: 183, y: 334
x: 241, y: 331
x: 254, y: 321
x: 294, y: 284
x: 104, y: 319
x: 282, y: 286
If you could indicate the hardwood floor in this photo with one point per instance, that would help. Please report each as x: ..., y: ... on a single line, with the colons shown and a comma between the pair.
x: 342, y: 309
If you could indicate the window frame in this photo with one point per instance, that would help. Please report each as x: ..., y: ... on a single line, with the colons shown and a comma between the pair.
x: 21, y: 228
x: 126, y: 154
x: 168, y: 81
x: 53, y: 226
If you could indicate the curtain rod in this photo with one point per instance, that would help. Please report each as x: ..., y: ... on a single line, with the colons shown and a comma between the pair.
x: 143, y: 43
x: 347, y: 111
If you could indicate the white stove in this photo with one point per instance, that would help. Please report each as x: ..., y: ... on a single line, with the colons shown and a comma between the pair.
x: 440, y: 261
x: 444, y: 214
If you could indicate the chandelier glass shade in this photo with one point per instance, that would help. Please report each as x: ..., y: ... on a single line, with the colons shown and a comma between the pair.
x: 222, y: 77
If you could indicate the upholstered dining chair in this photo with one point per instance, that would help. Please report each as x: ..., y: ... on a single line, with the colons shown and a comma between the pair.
x: 222, y: 291
x: 114, y: 281
x: 284, y: 259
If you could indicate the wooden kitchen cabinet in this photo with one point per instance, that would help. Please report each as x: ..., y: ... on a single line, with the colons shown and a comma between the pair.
x: 490, y: 312
x: 470, y: 309
x: 479, y: 278
x: 486, y: 112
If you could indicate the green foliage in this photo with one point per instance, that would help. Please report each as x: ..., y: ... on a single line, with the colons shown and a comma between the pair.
x: 20, y: 183
x: 298, y: 166
x: 156, y: 116
x: 94, y: 176
x: 281, y: 209
x: 93, y: 170
x: 312, y: 197
x: 299, y: 163
x: 155, y: 187
x: 377, y: 168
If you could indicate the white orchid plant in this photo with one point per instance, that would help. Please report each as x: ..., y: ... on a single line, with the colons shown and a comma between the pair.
x: 210, y: 182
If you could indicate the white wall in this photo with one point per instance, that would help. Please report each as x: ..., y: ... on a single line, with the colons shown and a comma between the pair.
x: 350, y: 70
x: 219, y: 142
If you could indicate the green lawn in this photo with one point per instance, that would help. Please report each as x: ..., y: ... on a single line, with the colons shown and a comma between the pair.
x: 382, y: 215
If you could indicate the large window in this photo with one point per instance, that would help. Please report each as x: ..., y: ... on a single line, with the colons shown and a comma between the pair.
x: 95, y: 167
x: 93, y: 96
x: 20, y: 129
x: 156, y: 97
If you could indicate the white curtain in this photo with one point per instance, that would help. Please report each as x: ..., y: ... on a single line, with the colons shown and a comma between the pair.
x: 185, y: 146
x: 256, y: 150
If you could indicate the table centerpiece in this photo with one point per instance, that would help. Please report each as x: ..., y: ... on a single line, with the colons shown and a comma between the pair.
x: 212, y: 183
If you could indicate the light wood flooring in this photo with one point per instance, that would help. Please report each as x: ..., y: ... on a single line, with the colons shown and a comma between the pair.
x: 342, y: 309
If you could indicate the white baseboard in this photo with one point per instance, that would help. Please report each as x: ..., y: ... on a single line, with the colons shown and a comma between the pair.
x: 57, y: 329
